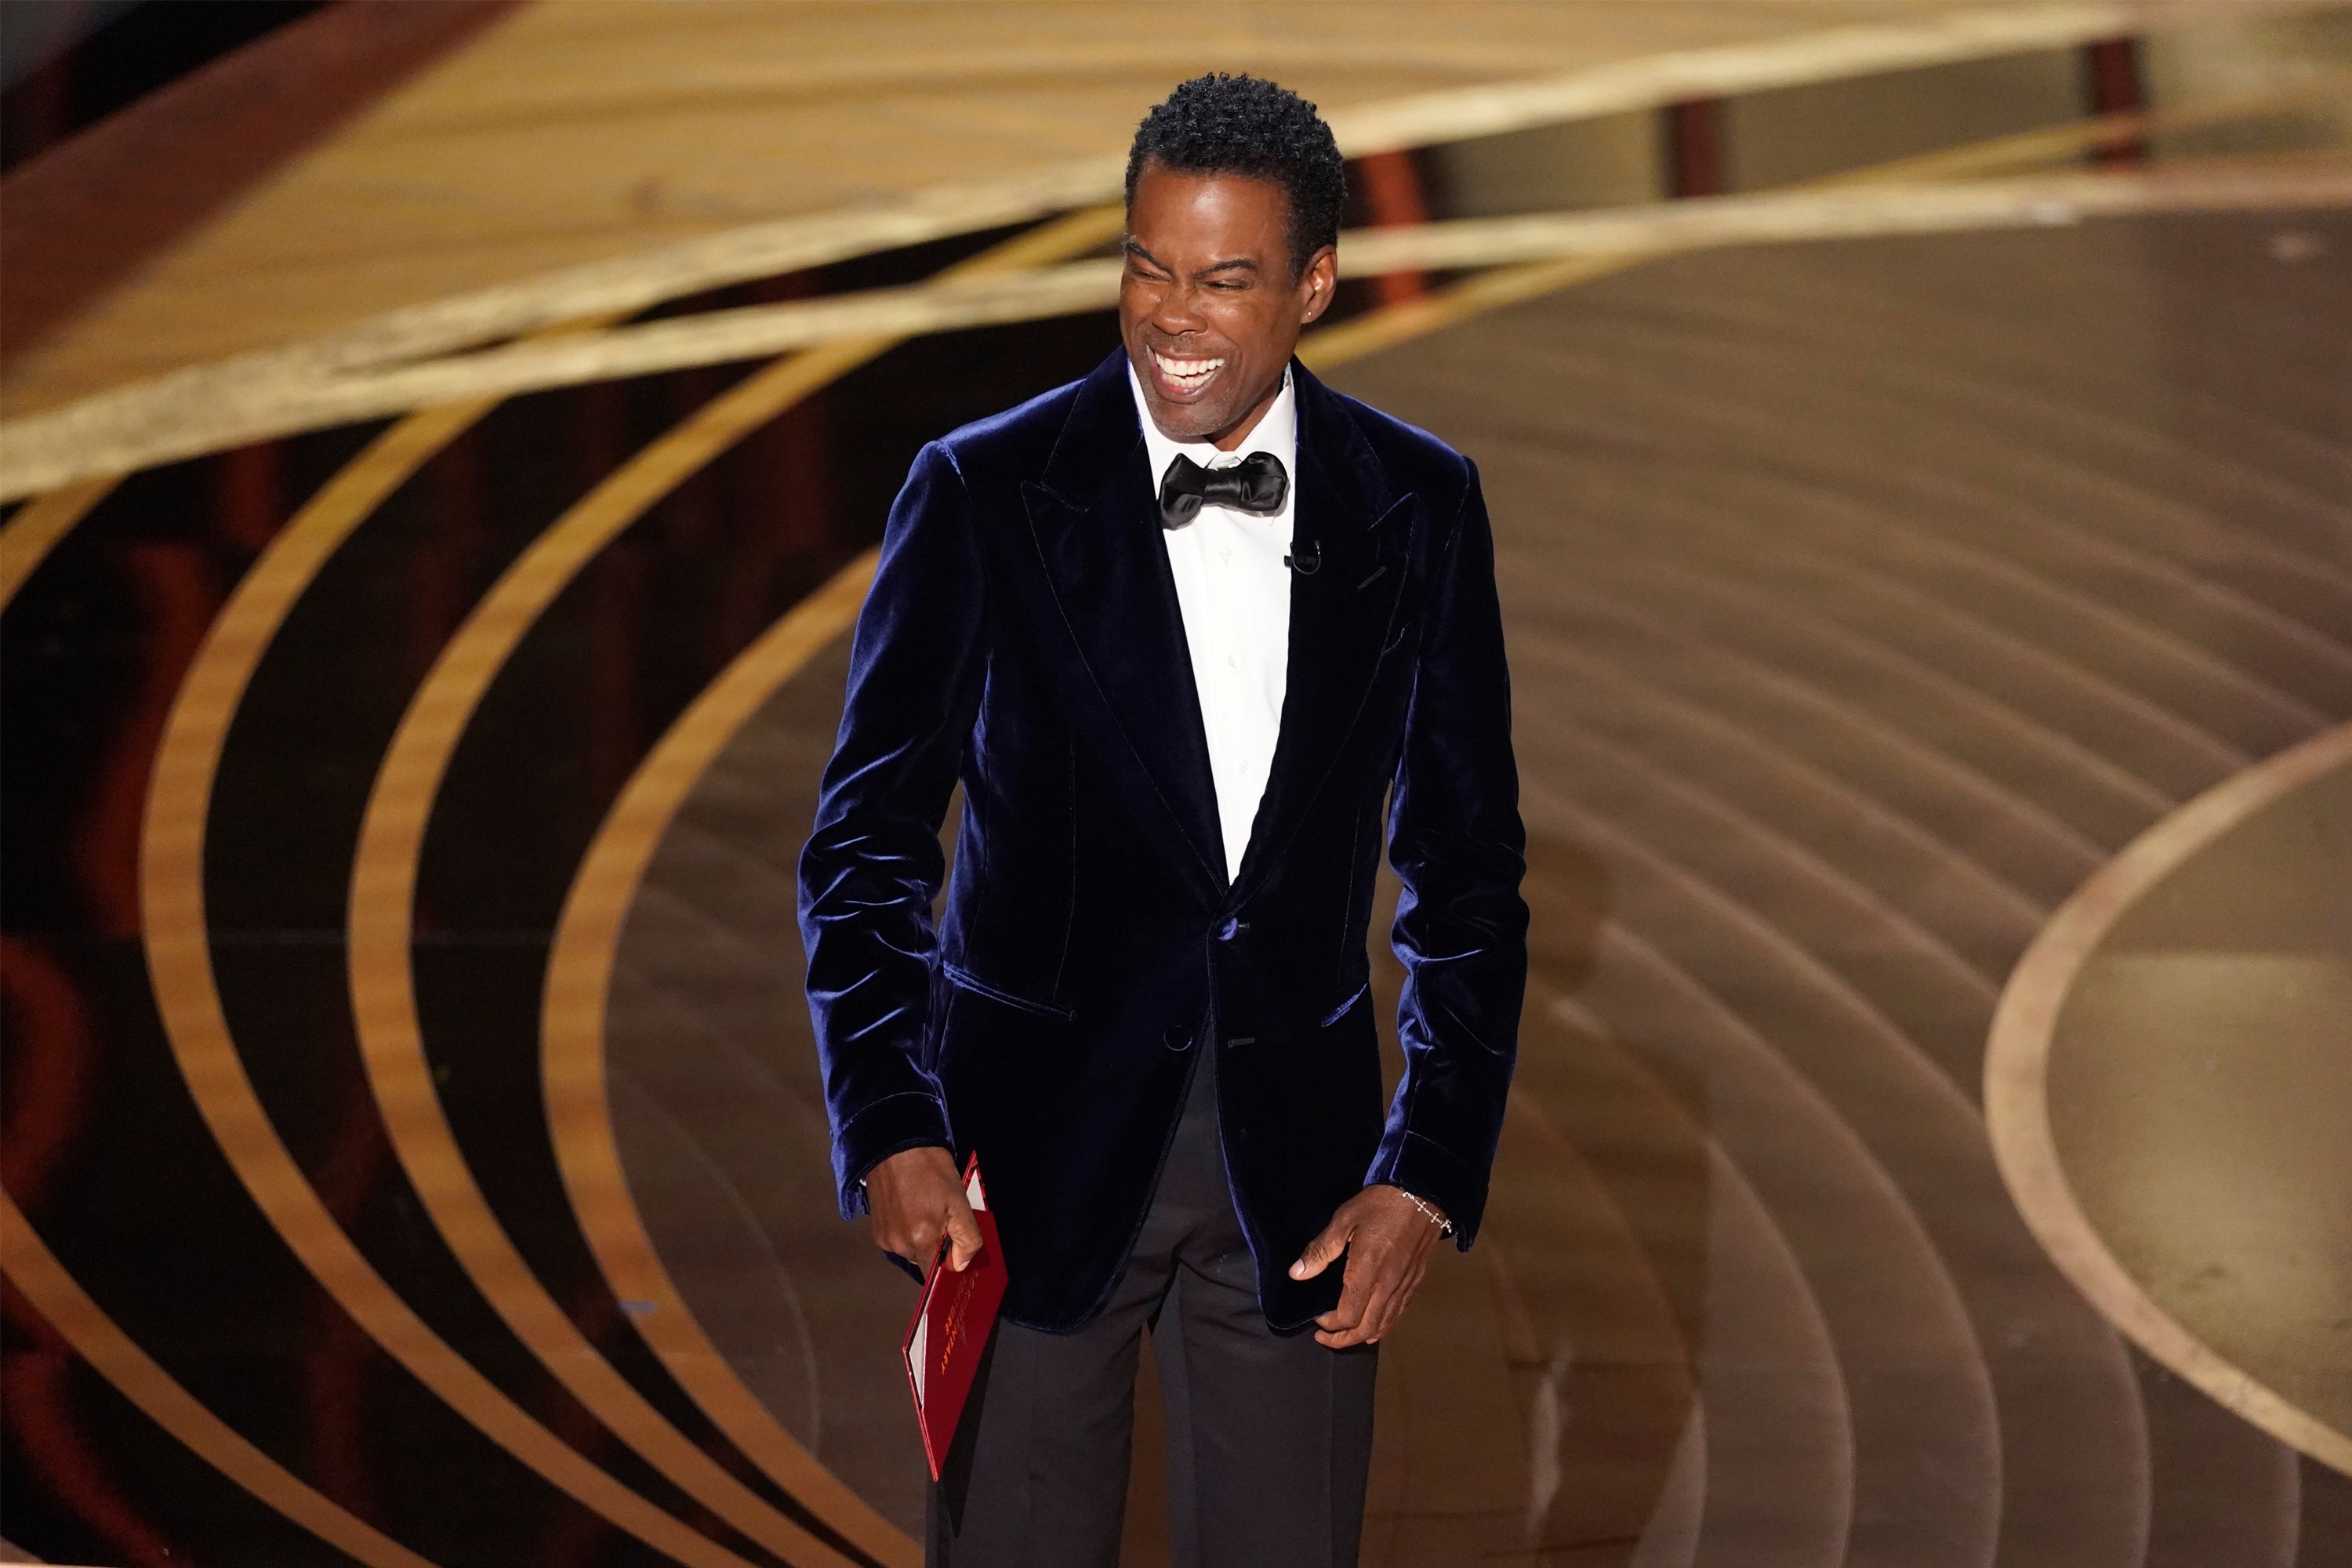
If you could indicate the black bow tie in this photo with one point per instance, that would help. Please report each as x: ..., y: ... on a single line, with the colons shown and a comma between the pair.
x: 1257, y: 484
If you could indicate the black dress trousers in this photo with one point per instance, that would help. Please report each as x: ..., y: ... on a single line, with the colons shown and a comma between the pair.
x: 1269, y: 1436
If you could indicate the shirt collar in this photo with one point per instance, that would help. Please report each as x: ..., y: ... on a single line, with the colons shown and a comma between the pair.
x: 1276, y: 432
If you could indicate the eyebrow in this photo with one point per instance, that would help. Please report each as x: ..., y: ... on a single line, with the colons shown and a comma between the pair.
x: 1238, y: 263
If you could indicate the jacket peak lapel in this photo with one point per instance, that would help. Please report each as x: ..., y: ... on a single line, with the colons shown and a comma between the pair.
x: 1341, y: 613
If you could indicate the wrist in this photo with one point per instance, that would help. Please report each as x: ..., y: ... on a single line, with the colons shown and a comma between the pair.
x: 1428, y: 1211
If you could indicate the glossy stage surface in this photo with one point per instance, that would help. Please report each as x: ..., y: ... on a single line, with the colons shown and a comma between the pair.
x: 1847, y: 637
x: 1932, y: 650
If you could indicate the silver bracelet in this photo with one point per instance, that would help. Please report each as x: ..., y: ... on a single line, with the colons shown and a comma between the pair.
x: 1431, y: 1213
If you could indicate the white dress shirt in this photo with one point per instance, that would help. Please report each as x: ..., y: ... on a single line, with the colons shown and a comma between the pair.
x: 1234, y: 591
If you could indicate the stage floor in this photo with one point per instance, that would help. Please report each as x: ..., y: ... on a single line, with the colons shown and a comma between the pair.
x: 413, y: 1152
x: 1863, y: 600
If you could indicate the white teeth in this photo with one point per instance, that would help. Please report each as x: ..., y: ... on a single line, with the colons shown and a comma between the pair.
x: 1186, y: 373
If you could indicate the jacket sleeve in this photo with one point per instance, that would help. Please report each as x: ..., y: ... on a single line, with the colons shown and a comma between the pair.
x: 873, y: 865
x: 1457, y: 845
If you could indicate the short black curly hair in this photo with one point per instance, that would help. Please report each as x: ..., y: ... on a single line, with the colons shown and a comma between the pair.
x: 1220, y: 124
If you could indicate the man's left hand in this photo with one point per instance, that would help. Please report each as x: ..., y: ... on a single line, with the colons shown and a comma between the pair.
x: 1386, y: 1238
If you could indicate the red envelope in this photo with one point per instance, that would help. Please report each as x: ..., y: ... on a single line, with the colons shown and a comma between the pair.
x: 952, y: 1322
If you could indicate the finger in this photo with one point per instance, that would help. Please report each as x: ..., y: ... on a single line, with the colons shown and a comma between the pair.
x: 1347, y: 1339
x: 1404, y: 1294
x: 921, y: 1246
x: 963, y: 1234
x: 1389, y: 1272
x: 1356, y: 1290
x: 1381, y: 1319
x: 1390, y: 1312
x: 1346, y: 1315
x: 1349, y: 1314
x: 1324, y: 1248
x: 1376, y: 1308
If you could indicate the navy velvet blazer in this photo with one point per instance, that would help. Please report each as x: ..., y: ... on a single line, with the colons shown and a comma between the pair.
x: 1023, y: 637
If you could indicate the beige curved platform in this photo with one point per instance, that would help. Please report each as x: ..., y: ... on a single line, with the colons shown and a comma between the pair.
x: 2168, y: 1084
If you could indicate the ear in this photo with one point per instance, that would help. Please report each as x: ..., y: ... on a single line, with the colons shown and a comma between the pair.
x: 1318, y: 283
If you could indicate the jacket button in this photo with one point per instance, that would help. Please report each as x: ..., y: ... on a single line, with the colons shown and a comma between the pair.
x: 1178, y: 1037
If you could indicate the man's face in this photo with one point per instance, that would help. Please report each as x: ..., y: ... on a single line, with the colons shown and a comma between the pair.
x: 1208, y: 307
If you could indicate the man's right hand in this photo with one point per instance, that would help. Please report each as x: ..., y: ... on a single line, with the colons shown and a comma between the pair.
x: 915, y: 1197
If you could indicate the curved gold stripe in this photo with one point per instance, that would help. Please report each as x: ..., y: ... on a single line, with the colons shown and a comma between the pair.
x: 25, y: 543
x: 2055, y: 143
x: 625, y: 285
x: 143, y: 425
x: 381, y: 911
x: 40, y: 524
x: 179, y: 963
x: 2016, y: 1088
x: 95, y: 1337
x: 1501, y: 286
x: 571, y: 1026
x: 1932, y: 35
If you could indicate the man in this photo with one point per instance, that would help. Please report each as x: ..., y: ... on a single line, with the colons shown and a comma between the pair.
x: 1181, y: 630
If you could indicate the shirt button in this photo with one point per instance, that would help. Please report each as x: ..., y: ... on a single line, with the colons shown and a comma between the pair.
x: 1233, y: 661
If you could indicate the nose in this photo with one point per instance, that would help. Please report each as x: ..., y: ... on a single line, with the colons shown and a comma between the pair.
x: 1176, y: 313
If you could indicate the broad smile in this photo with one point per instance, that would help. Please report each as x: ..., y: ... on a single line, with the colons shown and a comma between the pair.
x: 1184, y: 377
